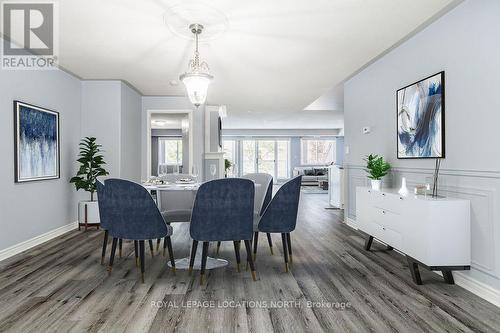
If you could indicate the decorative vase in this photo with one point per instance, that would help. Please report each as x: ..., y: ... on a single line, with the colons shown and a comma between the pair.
x: 376, y: 184
x: 88, y: 214
x: 403, y: 191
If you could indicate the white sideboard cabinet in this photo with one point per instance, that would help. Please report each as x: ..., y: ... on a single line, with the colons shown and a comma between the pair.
x: 431, y: 232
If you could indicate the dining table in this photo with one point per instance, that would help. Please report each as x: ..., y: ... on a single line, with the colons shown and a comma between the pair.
x: 179, y: 186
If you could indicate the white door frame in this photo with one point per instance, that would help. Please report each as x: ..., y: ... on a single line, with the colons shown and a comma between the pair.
x: 148, y: 137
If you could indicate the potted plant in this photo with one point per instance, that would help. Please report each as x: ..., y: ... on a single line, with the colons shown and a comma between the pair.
x: 376, y: 168
x: 91, y: 161
x: 227, y: 166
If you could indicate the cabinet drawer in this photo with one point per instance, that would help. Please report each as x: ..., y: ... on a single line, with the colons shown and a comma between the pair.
x: 387, y: 218
x: 389, y: 201
x: 386, y: 235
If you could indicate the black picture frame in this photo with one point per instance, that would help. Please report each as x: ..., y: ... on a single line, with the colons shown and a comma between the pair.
x: 18, y: 178
x: 219, y: 131
x: 443, y: 108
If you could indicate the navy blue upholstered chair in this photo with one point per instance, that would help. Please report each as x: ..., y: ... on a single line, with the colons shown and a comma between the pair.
x: 263, y: 195
x: 102, y: 216
x: 223, y: 211
x: 101, y: 195
x: 280, y: 216
x: 133, y: 214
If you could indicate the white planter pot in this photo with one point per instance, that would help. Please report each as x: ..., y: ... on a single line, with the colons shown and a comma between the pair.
x: 88, y: 212
x: 376, y: 184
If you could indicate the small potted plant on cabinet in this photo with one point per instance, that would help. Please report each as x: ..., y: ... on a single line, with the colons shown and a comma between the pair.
x: 91, y: 161
x: 376, y: 168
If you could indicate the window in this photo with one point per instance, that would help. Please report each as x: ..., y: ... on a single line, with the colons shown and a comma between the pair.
x: 229, y: 149
x: 266, y: 155
x: 248, y: 156
x: 170, y: 151
x: 317, y: 151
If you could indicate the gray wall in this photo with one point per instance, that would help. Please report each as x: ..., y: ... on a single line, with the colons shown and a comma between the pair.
x: 31, y: 209
x: 111, y: 112
x: 179, y: 103
x: 463, y: 43
x: 130, y: 138
x: 101, y: 113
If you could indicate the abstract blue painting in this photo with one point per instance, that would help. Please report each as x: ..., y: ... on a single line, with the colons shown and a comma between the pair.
x: 36, y: 143
x: 420, y: 119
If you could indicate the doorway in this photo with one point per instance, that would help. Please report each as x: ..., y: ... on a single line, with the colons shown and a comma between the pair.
x: 169, y: 141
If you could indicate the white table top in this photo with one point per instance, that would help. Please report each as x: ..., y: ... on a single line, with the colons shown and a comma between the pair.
x: 176, y: 187
x: 172, y: 187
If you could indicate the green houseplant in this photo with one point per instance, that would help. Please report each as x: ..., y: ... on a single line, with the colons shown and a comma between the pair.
x: 227, y: 165
x: 376, y: 168
x: 91, y: 166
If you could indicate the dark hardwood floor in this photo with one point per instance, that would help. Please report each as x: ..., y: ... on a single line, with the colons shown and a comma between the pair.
x: 61, y: 287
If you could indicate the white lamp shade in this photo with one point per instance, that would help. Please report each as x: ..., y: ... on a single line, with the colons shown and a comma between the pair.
x: 196, y: 86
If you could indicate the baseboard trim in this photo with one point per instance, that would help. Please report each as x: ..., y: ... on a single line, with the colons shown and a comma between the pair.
x: 474, y: 286
x: 351, y: 222
x: 28, y: 244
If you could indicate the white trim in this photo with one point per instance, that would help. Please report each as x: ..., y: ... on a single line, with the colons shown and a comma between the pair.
x: 148, y: 137
x: 28, y: 244
x: 474, y: 286
x: 351, y: 222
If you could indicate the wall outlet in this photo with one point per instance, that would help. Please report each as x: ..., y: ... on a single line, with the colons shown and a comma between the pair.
x: 346, y: 150
x: 366, y: 129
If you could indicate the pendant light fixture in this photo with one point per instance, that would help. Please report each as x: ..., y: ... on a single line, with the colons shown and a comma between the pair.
x: 197, y: 78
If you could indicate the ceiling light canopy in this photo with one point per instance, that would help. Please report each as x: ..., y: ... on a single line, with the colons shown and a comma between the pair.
x: 198, y: 77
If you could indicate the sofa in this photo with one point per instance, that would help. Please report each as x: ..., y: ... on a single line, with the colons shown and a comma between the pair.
x: 311, y: 175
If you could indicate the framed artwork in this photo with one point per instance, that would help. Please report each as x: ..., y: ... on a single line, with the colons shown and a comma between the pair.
x: 420, y: 119
x: 36, y: 143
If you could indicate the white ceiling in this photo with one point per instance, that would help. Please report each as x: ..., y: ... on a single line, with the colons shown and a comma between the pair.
x: 168, y: 120
x: 332, y: 99
x: 275, y: 56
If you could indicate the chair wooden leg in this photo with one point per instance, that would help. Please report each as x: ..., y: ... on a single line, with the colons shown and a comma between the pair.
x: 136, y: 250
x: 158, y: 241
x: 237, y: 253
x: 193, y: 255
x: 289, y: 244
x: 164, y: 245
x: 151, y: 248
x: 204, y: 255
x: 168, y: 241
x: 285, y: 250
x: 143, y: 258
x: 270, y: 241
x: 120, y: 244
x: 104, y: 245
x: 112, y: 256
x: 249, y: 259
x: 255, y: 241
x: 218, y: 247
